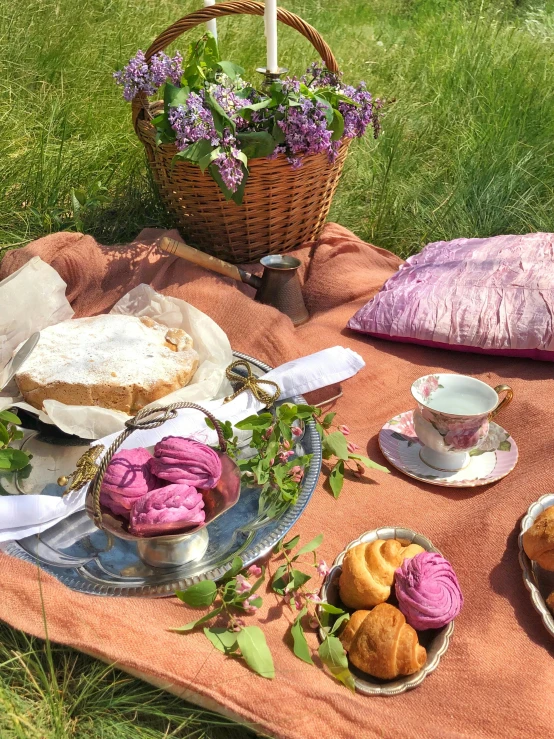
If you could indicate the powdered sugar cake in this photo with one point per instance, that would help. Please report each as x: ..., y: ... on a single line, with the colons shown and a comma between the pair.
x: 113, y: 361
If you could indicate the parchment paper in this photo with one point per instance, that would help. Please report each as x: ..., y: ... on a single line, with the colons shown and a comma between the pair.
x: 91, y: 422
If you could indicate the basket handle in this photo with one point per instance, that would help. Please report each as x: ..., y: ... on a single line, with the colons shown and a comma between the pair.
x: 243, y: 7
x: 143, y: 420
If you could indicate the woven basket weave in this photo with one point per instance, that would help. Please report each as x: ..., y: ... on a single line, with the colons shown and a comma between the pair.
x: 282, y: 207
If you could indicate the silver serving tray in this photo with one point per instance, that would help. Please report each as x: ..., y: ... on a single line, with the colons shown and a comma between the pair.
x: 539, y: 582
x: 88, y: 560
x: 435, y: 641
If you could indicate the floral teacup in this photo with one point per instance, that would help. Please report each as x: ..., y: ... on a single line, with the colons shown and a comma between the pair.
x: 452, y: 417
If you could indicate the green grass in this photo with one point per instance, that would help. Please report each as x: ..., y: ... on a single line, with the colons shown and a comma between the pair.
x: 466, y: 151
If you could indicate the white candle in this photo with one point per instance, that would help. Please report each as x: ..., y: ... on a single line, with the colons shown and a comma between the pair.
x: 211, y: 26
x: 270, y: 19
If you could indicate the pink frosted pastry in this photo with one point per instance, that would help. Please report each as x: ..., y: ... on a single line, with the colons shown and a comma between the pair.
x: 127, y: 478
x: 428, y: 591
x: 167, y: 510
x: 187, y: 461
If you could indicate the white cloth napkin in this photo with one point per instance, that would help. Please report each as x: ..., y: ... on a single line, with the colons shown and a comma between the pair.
x: 26, y: 515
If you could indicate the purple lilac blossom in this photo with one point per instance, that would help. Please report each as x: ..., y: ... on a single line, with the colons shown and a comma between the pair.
x: 193, y: 122
x: 139, y: 76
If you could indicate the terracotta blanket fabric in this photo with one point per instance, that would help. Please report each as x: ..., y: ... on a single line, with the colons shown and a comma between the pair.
x: 497, y: 678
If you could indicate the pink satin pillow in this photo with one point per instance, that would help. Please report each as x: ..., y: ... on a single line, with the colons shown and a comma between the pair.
x: 492, y: 296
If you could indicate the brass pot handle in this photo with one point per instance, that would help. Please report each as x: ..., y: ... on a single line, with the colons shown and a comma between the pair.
x: 506, y: 400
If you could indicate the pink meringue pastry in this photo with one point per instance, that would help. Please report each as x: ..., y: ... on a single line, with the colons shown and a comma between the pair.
x: 127, y: 478
x: 167, y: 510
x: 186, y: 461
x: 428, y: 591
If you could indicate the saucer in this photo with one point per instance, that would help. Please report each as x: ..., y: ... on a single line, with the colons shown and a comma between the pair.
x: 491, y: 462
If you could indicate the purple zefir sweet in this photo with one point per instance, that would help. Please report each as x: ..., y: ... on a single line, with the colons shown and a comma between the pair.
x: 126, y: 479
x: 428, y: 591
x: 187, y: 461
x: 167, y: 510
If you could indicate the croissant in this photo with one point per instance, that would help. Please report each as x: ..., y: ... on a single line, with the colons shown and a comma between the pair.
x: 538, y: 541
x: 368, y: 571
x: 381, y: 643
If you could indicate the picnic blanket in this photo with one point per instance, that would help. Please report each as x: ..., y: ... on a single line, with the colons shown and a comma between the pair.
x: 497, y: 678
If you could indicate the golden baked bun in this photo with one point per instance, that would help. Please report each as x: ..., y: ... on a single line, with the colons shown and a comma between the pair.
x: 368, y: 571
x: 381, y: 643
x: 538, y: 541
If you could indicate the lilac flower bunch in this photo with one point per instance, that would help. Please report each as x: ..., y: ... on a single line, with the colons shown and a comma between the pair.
x: 216, y: 120
x: 141, y: 76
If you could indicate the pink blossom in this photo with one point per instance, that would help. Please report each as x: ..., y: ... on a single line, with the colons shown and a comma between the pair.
x: 314, y: 623
x: 344, y: 430
x: 284, y: 456
x: 268, y: 433
x: 237, y: 624
x: 322, y: 568
x: 314, y: 597
x: 254, y: 570
x: 429, y: 386
x: 297, y: 473
x: 248, y: 605
x: 406, y: 425
x: 296, y: 431
x: 243, y: 586
x: 352, y: 447
x: 462, y: 437
x: 293, y: 599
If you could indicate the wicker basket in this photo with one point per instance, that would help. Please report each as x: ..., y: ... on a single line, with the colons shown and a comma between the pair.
x: 282, y: 208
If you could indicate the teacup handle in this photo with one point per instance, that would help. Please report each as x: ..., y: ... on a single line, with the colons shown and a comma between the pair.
x: 506, y: 400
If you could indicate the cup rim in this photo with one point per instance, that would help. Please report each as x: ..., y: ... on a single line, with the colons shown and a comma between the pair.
x: 472, y: 380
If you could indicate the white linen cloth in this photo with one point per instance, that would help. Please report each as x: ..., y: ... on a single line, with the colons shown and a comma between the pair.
x: 26, y: 515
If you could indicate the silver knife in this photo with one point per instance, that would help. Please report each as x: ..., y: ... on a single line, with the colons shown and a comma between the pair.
x: 15, y: 364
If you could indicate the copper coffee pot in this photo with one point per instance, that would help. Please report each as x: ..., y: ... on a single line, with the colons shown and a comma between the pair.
x: 278, y: 286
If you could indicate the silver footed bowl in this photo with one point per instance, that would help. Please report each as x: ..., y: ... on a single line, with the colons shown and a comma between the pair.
x: 435, y: 641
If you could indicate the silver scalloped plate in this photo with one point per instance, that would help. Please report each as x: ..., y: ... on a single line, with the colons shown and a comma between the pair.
x: 538, y: 582
x: 90, y: 561
x: 435, y: 641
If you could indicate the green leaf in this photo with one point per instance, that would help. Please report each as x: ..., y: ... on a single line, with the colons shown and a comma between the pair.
x: 298, y: 578
x: 192, y: 624
x: 328, y: 420
x: 368, y: 462
x: 221, y: 119
x: 305, y: 411
x: 199, y: 595
x: 263, y: 421
x: 4, y: 436
x: 231, y: 69
x: 205, y: 161
x: 335, y: 444
x: 328, y: 608
x: 339, y: 622
x: 278, y: 582
x: 256, y: 143
x: 336, y: 478
x: 332, y: 654
x: 300, y: 644
x: 222, y: 639
x: 236, y: 567
x: 309, y: 547
x: 255, y: 652
x: 174, y: 96
x: 195, y: 152
x: 211, y: 50
x: 291, y: 543
x: 504, y: 446
x: 327, y: 109
x: 13, y: 459
x: 337, y: 125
